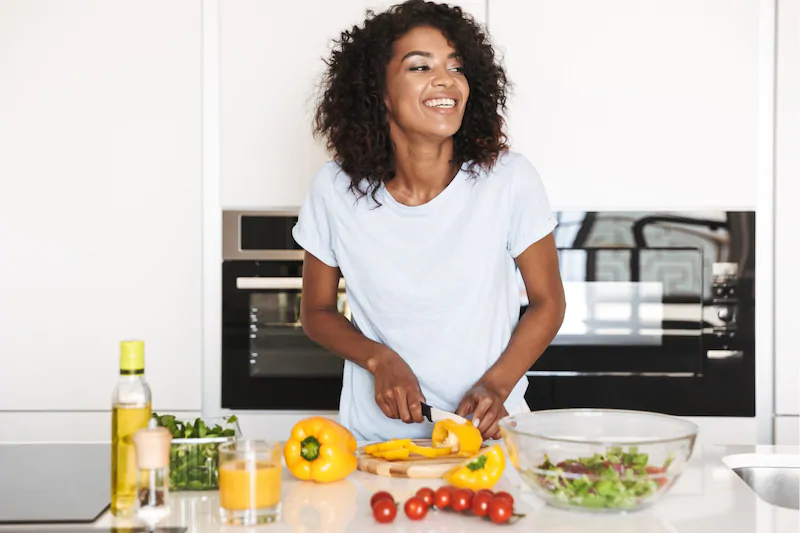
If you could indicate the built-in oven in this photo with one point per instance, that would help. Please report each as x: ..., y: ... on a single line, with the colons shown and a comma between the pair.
x: 268, y: 362
x: 660, y: 316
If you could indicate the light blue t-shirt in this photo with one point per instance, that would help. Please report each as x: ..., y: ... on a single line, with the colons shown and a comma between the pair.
x: 437, y: 283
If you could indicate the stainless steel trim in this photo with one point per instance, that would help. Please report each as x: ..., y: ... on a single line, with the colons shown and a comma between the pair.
x: 724, y: 354
x: 274, y: 283
x: 567, y: 373
x: 231, y: 228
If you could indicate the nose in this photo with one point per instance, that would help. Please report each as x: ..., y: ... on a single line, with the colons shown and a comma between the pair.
x: 444, y: 79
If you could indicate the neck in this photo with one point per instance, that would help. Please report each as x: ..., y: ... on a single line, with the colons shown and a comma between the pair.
x: 422, y: 170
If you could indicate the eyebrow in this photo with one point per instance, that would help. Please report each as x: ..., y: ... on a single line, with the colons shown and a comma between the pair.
x: 425, y: 54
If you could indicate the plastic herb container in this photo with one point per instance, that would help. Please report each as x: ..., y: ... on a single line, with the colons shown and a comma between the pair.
x: 193, y: 455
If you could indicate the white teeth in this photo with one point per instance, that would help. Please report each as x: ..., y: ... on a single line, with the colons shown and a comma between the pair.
x: 440, y: 102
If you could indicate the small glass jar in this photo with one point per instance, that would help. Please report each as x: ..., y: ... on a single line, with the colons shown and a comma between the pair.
x: 152, y: 459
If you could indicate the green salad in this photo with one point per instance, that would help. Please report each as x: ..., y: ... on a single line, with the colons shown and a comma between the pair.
x: 195, y: 465
x: 616, y: 479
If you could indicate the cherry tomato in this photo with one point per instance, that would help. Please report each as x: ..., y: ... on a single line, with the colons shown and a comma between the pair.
x: 380, y: 495
x: 427, y: 495
x: 415, y: 508
x: 384, y: 510
x: 480, y: 503
x: 506, y: 496
x: 462, y: 500
x: 500, y: 510
x: 486, y: 491
x: 442, y: 497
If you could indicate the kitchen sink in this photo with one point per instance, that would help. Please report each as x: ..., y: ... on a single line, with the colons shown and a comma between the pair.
x: 774, y: 478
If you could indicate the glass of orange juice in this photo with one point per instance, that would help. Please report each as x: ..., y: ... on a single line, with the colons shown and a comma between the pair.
x: 249, y: 481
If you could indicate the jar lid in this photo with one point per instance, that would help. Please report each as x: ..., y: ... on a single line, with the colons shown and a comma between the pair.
x: 152, y: 447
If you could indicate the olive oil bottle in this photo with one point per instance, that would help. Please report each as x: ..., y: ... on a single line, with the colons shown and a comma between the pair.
x: 130, y: 411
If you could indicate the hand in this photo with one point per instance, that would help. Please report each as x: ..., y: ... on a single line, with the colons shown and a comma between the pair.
x: 397, y: 390
x: 486, y: 405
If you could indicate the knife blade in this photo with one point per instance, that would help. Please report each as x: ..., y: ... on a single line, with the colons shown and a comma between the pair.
x: 434, y: 414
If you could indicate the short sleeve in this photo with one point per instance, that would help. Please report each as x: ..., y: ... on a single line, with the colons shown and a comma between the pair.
x: 313, y: 231
x: 531, y: 216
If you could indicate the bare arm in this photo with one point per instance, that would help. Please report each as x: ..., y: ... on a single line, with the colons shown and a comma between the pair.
x: 397, y: 390
x: 538, y: 265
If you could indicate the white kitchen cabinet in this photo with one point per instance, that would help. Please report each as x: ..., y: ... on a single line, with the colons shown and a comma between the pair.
x: 787, y: 214
x: 635, y: 104
x: 101, y: 209
x: 270, y: 64
x: 787, y: 430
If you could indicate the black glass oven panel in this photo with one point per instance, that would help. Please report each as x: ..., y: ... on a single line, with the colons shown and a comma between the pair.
x: 267, y: 233
x: 630, y: 310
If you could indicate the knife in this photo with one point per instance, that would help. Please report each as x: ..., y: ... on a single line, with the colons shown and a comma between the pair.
x: 435, y: 415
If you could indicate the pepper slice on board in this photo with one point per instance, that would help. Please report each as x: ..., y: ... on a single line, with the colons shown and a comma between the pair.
x: 463, y: 439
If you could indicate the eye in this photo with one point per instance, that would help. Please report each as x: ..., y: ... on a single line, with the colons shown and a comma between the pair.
x: 419, y: 68
x: 460, y: 70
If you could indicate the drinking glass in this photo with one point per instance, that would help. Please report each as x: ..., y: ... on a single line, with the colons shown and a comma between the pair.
x: 249, y: 481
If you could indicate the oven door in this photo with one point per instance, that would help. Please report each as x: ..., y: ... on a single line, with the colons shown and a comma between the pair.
x: 268, y: 362
x: 642, y: 332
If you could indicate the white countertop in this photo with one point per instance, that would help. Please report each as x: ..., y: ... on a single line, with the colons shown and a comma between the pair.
x: 708, y: 498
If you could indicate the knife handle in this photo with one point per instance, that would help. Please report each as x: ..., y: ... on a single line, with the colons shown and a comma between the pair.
x: 426, y: 411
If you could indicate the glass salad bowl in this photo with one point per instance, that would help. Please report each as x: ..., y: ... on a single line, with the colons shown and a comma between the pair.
x: 193, y: 455
x: 598, y: 460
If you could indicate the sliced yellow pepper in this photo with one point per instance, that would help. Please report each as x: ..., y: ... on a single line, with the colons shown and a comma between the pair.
x: 393, y: 444
x: 393, y: 455
x: 426, y: 451
x: 482, y: 471
x: 463, y: 439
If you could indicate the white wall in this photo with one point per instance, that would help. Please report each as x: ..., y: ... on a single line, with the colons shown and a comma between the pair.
x: 100, y: 214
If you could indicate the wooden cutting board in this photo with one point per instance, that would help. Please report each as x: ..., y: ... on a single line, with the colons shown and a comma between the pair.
x: 413, y: 467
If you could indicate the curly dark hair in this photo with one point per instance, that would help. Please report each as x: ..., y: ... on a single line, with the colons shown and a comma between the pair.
x: 351, y: 113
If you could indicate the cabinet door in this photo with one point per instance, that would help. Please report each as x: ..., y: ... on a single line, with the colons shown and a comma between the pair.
x: 787, y: 215
x: 632, y: 104
x: 271, y: 63
x: 100, y: 215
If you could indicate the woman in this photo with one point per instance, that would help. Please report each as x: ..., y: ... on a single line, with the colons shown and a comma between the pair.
x: 426, y: 215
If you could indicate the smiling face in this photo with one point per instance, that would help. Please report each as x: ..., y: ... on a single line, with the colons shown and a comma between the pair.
x: 426, y: 90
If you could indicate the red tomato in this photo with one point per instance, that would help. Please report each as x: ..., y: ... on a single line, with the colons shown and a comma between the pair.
x: 462, y: 500
x: 506, y: 496
x: 500, y: 510
x: 415, y: 508
x: 427, y: 495
x: 480, y: 503
x: 380, y: 495
x: 654, y: 469
x: 442, y: 497
x: 384, y: 510
x: 486, y: 491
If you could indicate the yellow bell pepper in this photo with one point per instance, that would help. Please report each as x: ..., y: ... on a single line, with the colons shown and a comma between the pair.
x: 393, y: 444
x: 320, y: 450
x: 426, y: 451
x: 463, y: 439
x: 393, y: 455
x: 482, y: 471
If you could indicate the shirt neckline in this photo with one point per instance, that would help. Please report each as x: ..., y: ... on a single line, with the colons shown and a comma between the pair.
x: 430, y: 204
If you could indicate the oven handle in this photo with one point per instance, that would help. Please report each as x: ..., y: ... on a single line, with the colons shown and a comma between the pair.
x: 273, y: 284
x: 568, y: 373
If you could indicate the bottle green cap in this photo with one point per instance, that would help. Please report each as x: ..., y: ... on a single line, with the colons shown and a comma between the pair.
x: 131, y: 356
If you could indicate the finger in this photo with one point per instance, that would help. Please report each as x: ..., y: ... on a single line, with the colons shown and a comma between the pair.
x: 414, y: 407
x: 493, y: 432
x: 385, y: 408
x: 466, y: 406
x: 402, y: 406
x: 481, y: 409
x: 489, y: 419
